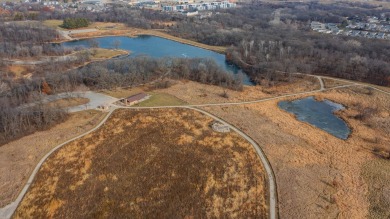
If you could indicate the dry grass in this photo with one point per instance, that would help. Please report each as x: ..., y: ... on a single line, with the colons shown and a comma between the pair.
x: 148, y: 164
x: 100, y: 53
x: 53, y: 23
x: 98, y: 25
x: 329, y: 83
x: 196, y: 93
x: 318, y: 175
x: 68, y: 102
x: 19, y: 158
x: 123, y: 92
x: 161, y: 99
x: 17, y: 70
x: 377, y: 174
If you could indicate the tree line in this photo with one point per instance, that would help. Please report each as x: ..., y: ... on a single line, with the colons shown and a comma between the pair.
x: 16, y: 120
x: 28, y: 40
x: 73, y: 23
x: 262, y: 47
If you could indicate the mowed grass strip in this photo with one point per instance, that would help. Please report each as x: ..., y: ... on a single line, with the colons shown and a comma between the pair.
x: 150, y: 164
x: 161, y: 99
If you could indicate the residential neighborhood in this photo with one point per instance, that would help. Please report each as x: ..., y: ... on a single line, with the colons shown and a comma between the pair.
x: 372, y: 28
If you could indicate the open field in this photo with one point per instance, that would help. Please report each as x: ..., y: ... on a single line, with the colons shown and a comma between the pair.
x: 123, y: 92
x: 53, y: 23
x: 68, y: 102
x: 99, y: 53
x: 98, y: 25
x: 328, y: 83
x: 19, y: 158
x: 17, y: 70
x: 161, y: 99
x: 156, y: 99
x: 319, y: 175
x: 377, y: 175
x: 150, y: 163
x: 196, y: 93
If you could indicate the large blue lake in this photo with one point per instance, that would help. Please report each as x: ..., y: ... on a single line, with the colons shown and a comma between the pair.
x: 158, y: 47
x: 318, y: 113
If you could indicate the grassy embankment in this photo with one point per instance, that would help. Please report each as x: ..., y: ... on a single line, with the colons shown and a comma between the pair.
x: 119, y: 29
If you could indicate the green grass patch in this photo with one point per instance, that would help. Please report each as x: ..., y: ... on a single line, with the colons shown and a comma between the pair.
x: 53, y: 23
x: 161, y: 99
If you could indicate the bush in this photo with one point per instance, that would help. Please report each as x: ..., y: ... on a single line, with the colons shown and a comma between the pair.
x: 72, y: 23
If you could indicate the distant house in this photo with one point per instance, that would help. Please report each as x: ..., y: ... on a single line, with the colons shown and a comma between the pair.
x: 137, y: 98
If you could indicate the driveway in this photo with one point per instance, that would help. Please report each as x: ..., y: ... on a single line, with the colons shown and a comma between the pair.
x: 95, y: 100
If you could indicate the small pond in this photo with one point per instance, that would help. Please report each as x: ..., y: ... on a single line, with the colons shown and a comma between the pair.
x: 318, y: 113
x: 158, y: 47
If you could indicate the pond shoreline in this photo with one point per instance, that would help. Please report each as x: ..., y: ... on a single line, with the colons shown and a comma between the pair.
x: 156, y: 33
x: 321, y: 114
x: 160, y: 47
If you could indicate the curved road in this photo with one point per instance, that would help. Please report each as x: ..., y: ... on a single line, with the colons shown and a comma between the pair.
x: 8, y: 210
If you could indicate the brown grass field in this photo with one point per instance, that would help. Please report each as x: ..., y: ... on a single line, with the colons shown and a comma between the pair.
x: 329, y: 83
x: 196, y: 93
x: 101, y: 54
x: 18, y: 158
x: 150, y: 164
x: 319, y: 175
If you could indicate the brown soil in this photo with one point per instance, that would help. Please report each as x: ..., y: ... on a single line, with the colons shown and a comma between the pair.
x: 148, y: 164
x: 319, y: 175
x: 19, y: 158
x: 69, y: 102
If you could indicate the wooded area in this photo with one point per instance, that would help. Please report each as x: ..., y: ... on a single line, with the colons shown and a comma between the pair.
x: 73, y: 23
x: 261, y: 43
x: 28, y: 40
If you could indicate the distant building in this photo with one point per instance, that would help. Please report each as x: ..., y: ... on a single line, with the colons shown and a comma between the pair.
x: 137, y: 98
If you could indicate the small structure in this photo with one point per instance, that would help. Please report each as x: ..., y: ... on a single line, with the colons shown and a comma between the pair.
x: 219, y: 127
x: 137, y: 98
x: 104, y: 107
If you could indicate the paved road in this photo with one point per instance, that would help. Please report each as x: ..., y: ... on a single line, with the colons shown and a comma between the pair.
x: 95, y: 100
